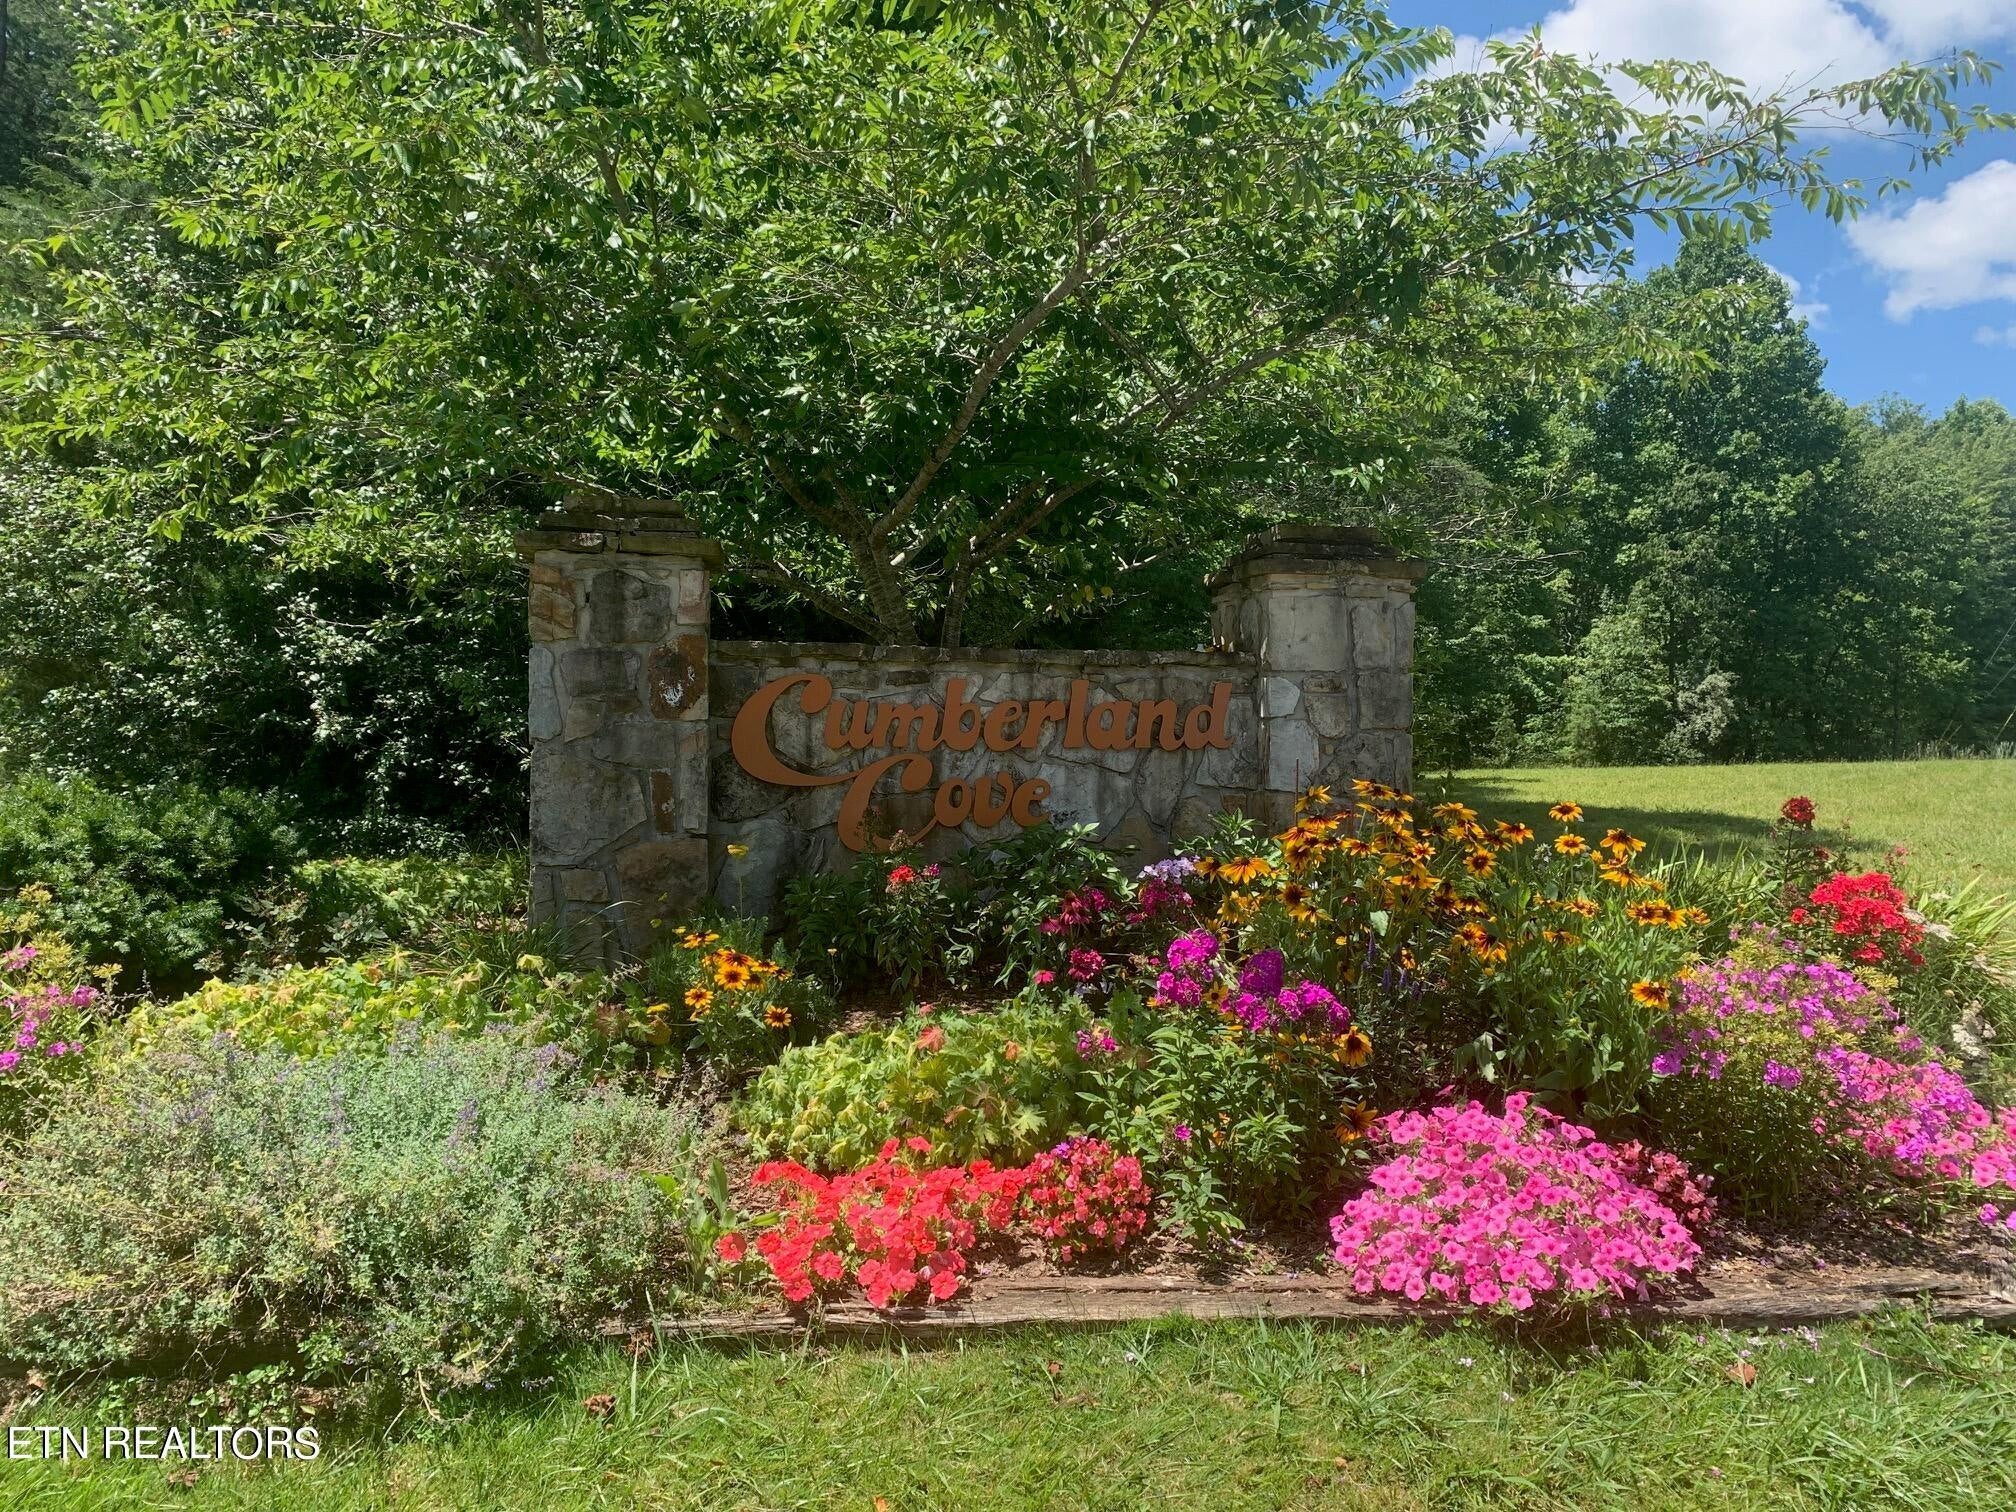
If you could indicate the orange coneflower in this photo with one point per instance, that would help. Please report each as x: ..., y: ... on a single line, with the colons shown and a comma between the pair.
x: 694, y: 940
x: 777, y: 1016
x: 1479, y: 863
x: 1512, y: 834
x: 1651, y: 994
x: 1623, y: 844
x: 1314, y: 796
x: 1565, y: 813
x: 1571, y: 845
x: 1354, y: 1046
x: 733, y: 975
x: 1207, y: 867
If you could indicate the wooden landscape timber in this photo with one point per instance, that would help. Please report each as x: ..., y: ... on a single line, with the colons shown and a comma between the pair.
x: 1987, y: 1295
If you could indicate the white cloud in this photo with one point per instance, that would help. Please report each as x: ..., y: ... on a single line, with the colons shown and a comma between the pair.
x: 1950, y: 249
x: 1812, y: 311
x: 1767, y: 43
x: 1989, y: 336
x: 1926, y: 25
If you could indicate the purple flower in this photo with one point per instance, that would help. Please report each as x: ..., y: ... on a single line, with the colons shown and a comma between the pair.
x: 1263, y: 974
x: 1778, y: 1074
x: 1181, y: 1133
x: 1666, y: 1063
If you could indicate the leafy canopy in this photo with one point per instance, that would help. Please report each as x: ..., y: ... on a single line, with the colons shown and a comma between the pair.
x: 938, y: 314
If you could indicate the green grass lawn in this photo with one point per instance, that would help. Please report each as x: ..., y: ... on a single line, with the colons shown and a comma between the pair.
x: 1957, y: 819
x: 1890, y: 1412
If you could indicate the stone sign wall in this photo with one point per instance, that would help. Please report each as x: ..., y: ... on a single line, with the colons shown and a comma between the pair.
x: 667, y: 766
x: 1068, y: 746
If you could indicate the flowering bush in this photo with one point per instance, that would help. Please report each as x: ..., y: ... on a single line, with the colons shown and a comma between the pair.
x: 887, y: 1228
x: 1791, y: 1075
x: 1477, y: 947
x: 1506, y: 1211
x: 439, y: 1214
x: 719, y: 989
x: 47, y: 1006
x: 1232, y: 1124
x: 1863, y: 917
x: 1085, y: 1198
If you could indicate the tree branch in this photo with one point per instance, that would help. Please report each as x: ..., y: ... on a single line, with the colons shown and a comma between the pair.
x: 991, y: 368
x: 826, y: 603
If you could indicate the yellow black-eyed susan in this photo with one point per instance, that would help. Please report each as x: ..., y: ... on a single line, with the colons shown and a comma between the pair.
x: 1565, y: 813
x: 777, y: 1016
x: 1358, y: 1121
x: 1651, y: 994
x: 1354, y: 1046
x: 1243, y: 869
x: 1571, y: 844
x: 1300, y: 903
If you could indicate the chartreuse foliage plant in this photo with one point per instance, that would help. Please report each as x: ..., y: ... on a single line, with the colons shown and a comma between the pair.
x: 997, y: 1086
x: 422, y: 1221
x: 366, y: 1005
x: 1090, y: 262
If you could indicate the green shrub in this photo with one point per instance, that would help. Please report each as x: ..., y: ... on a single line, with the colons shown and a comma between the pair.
x: 346, y: 906
x: 436, y: 1217
x: 884, y: 917
x: 160, y: 880
x: 374, y: 676
x: 999, y: 1086
x: 1233, y: 1126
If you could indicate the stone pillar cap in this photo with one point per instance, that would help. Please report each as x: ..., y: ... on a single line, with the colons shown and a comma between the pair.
x: 586, y: 522
x: 1296, y: 546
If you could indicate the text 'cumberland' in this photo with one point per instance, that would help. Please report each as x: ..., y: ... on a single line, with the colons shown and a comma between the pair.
x: 957, y: 724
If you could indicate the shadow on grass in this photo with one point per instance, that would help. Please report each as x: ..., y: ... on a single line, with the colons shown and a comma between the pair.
x: 1713, y: 830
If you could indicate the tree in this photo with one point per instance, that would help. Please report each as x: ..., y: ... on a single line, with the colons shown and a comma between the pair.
x: 1728, y: 565
x: 940, y: 314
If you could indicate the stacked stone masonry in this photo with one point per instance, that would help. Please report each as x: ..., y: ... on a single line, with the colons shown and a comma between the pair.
x: 641, y: 807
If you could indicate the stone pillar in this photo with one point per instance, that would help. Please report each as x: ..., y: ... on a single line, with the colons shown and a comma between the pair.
x: 1329, y: 614
x: 618, y: 710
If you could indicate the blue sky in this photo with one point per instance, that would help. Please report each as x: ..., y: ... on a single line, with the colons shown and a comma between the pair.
x: 1917, y: 299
